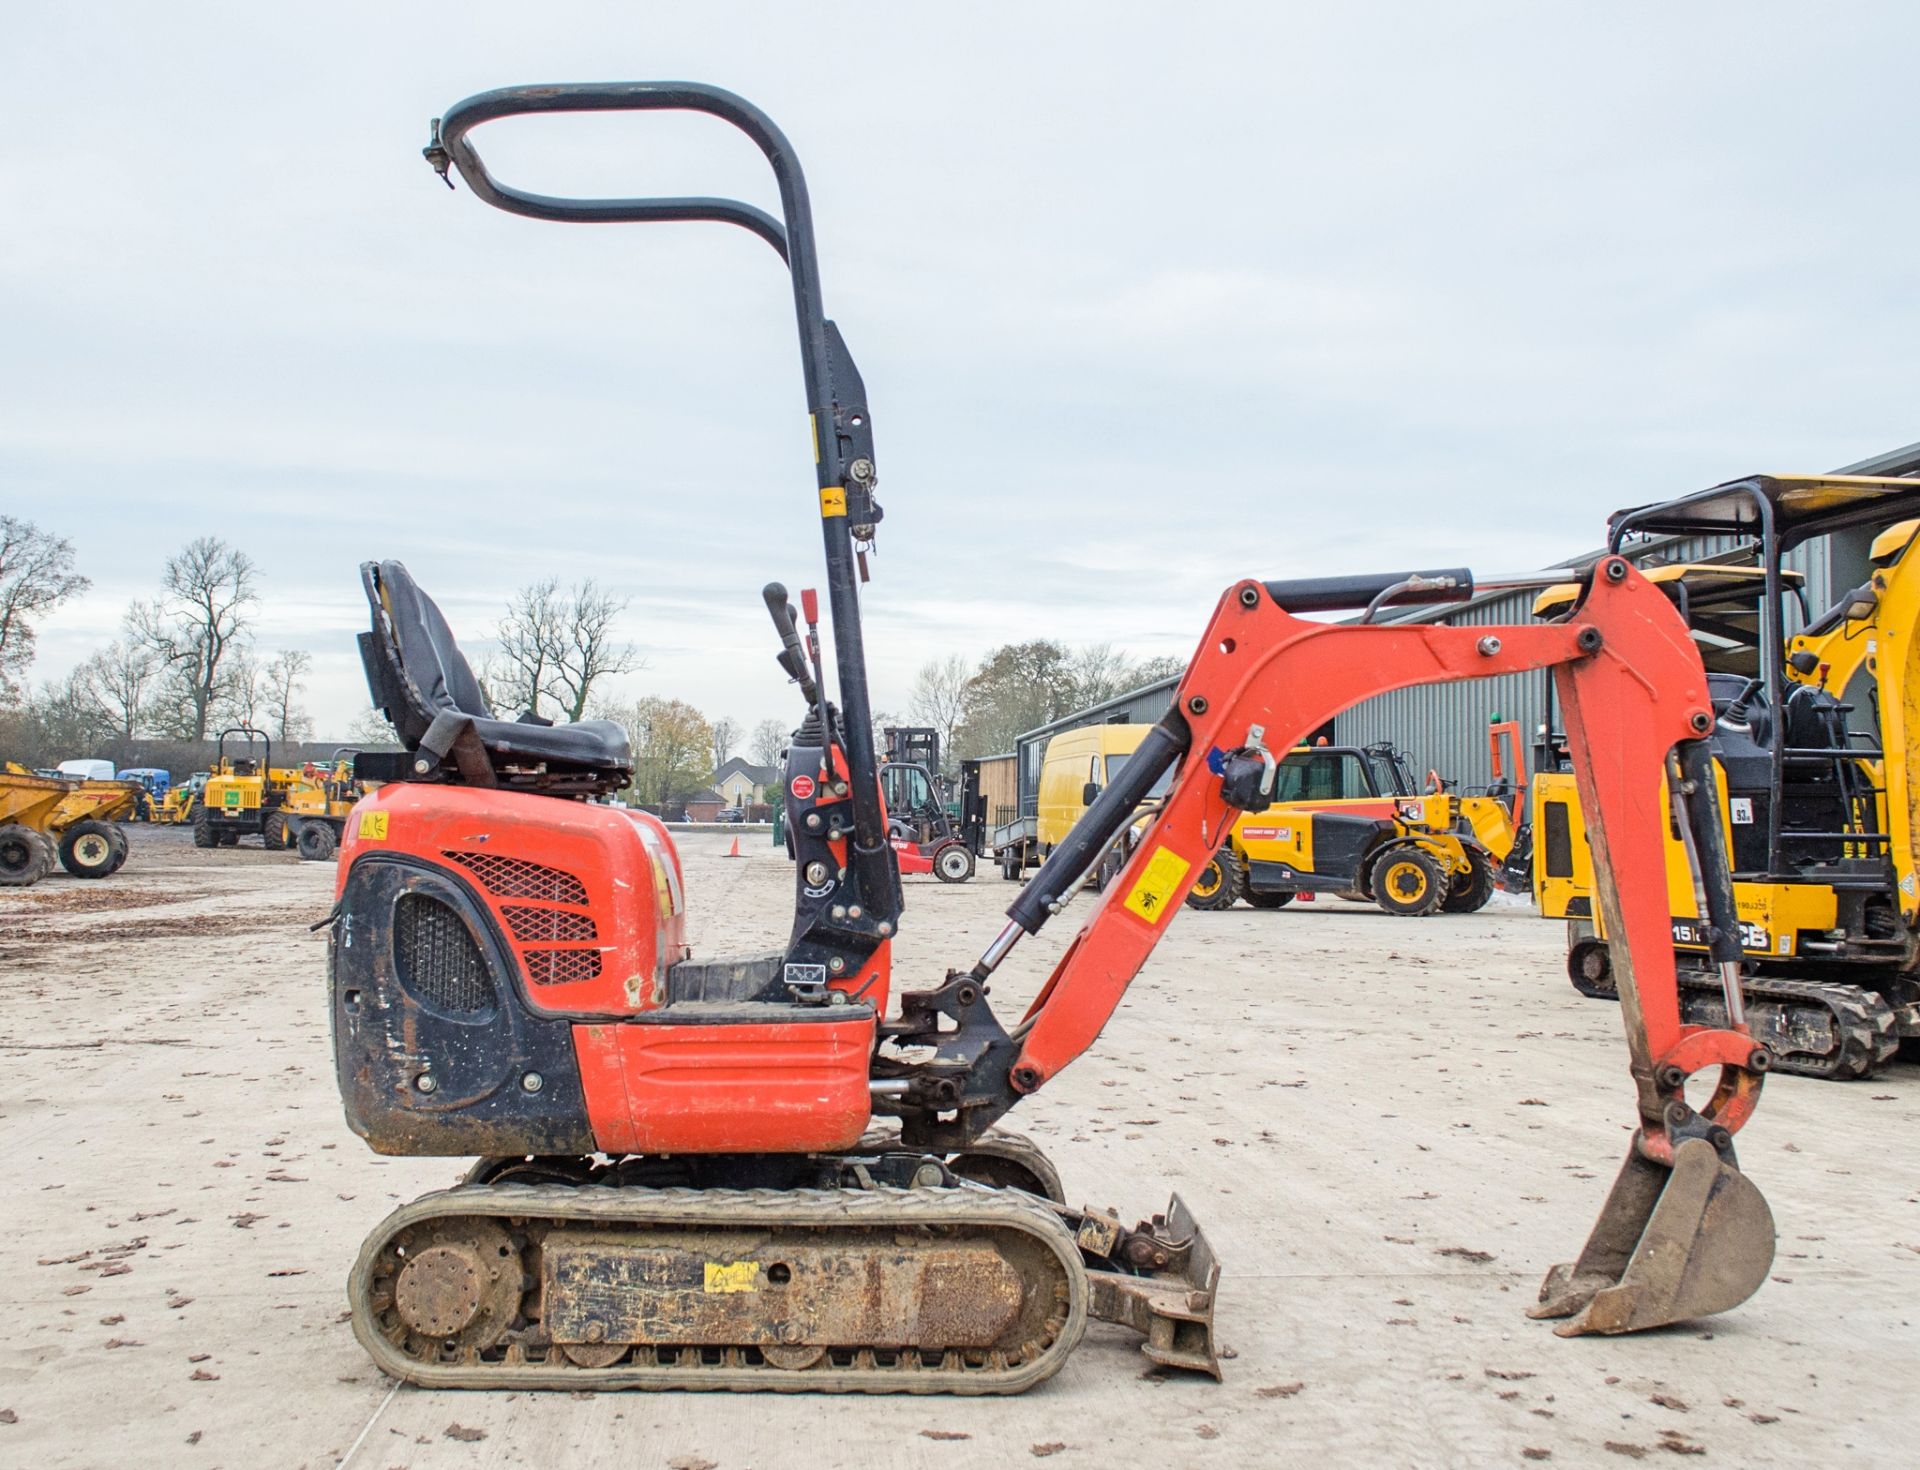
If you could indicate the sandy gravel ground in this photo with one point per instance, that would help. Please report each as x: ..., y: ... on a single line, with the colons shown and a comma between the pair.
x: 1389, y: 1128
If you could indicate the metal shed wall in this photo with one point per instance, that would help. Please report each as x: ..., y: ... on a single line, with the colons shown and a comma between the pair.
x: 1443, y: 727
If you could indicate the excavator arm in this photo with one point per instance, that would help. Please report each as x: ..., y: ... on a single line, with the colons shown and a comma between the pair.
x: 1684, y: 1233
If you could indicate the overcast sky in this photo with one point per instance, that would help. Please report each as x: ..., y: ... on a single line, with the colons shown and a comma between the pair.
x: 1147, y: 299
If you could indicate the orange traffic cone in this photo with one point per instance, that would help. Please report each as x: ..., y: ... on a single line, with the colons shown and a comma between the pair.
x: 734, y: 851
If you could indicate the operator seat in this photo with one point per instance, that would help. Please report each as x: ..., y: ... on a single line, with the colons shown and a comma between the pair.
x: 426, y: 687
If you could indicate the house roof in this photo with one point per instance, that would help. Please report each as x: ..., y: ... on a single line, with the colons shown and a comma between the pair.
x: 701, y: 796
x: 739, y: 766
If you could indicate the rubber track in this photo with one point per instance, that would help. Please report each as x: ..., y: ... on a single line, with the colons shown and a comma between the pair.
x: 883, y: 1210
x: 1863, y: 1021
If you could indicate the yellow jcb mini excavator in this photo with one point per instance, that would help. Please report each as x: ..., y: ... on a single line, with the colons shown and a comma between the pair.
x: 680, y: 1184
x: 1814, y: 749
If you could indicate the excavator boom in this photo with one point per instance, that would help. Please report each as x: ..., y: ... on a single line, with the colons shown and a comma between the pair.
x: 1637, y: 705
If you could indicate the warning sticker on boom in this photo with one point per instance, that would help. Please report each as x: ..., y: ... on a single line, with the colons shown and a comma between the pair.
x: 1159, y: 881
x: 731, y: 1276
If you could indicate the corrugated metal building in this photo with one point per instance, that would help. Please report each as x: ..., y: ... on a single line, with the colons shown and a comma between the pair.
x: 1443, y: 727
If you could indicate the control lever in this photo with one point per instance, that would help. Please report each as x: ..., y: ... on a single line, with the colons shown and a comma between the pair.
x: 810, y: 605
x: 792, y: 656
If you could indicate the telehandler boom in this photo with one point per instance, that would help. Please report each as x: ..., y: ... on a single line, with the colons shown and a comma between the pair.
x: 678, y: 1187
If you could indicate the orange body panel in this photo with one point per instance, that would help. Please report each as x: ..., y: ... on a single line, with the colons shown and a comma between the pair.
x: 722, y: 1089
x: 590, y: 903
x: 589, y: 897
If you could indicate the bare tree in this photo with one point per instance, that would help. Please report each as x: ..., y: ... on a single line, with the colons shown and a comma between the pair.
x: 283, y: 679
x: 117, y: 681
x: 588, y: 649
x: 1098, y: 672
x: 370, y: 730
x: 726, y: 740
x: 70, y: 721
x: 517, y: 675
x: 36, y: 576
x: 768, y: 740
x: 559, y: 645
x: 243, y: 691
x: 939, y: 698
x: 198, y: 625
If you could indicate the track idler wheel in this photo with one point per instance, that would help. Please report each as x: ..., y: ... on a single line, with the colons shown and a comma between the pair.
x: 449, y: 1287
x: 1671, y: 1244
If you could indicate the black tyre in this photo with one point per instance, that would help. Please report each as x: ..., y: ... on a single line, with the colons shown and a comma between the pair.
x: 122, y: 845
x: 953, y: 863
x: 1012, y: 864
x: 87, y: 849
x: 273, y: 832
x: 203, y: 833
x: 317, y: 842
x: 1408, y: 883
x: 25, y: 856
x: 1219, y: 883
x: 1109, y: 869
x: 1269, y: 900
x: 1590, y: 968
x: 1471, y: 889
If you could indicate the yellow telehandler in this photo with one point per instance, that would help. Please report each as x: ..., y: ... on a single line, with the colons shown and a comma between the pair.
x: 1352, y: 821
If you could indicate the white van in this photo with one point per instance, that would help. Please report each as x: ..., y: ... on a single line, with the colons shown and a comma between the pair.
x: 87, y: 770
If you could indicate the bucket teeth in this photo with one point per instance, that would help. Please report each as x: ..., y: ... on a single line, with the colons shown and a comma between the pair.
x: 1670, y: 1245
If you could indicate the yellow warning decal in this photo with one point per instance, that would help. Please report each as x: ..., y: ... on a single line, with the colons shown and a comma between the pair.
x: 1166, y: 870
x: 833, y: 501
x: 728, y: 1276
x: 373, y: 826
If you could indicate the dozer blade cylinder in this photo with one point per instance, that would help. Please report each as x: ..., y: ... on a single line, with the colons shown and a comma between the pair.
x: 1671, y: 1244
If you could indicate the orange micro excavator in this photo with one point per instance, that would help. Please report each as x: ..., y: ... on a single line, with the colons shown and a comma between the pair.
x: 680, y: 1182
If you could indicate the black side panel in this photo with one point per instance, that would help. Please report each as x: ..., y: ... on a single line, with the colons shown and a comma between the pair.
x: 1557, y: 840
x: 1265, y: 877
x: 1339, y: 842
x: 435, y: 1052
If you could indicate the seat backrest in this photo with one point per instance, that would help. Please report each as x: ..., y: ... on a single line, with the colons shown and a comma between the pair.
x: 1814, y: 720
x: 413, y: 659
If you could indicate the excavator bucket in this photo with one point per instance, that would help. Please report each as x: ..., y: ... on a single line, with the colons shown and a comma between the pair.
x: 1671, y: 1244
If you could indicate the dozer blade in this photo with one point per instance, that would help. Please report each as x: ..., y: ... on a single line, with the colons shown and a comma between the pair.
x: 1171, y: 1306
x: 1670, y: 1244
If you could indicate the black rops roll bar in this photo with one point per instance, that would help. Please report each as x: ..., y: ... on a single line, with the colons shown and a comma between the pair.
x: 1772, y: 651
x: 836, y: 398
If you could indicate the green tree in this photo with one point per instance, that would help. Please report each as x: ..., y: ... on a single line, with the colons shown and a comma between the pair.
x: 672, y: 749
x: 1016, y: 687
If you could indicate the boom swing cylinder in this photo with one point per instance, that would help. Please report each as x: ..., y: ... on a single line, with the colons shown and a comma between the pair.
x: 676, y: 1179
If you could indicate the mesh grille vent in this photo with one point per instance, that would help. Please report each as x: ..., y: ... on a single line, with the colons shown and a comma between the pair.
x: 561, y: 966
x: 511, y: 877
x: 550, y: 926
x: 437, y: 958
